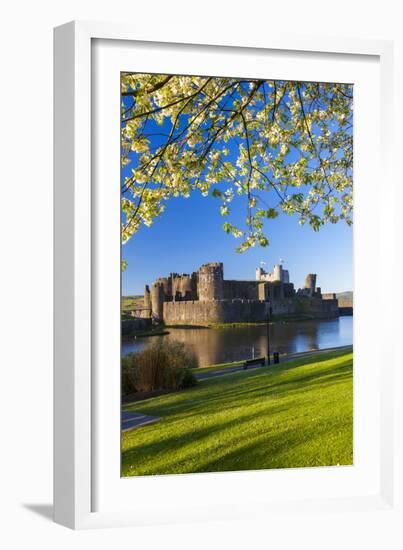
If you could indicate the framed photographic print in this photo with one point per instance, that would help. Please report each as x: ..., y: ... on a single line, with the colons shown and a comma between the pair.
x: 206, y: 160
x: 218, y: 233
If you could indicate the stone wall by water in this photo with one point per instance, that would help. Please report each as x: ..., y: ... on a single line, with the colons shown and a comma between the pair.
x: 244, y: 311
x: 241, y: 290
x: 218, y: 311
x: 317, y: 307
x: 131, y: 325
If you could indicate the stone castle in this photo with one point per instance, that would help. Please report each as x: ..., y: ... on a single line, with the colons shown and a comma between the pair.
x: 205, y: 297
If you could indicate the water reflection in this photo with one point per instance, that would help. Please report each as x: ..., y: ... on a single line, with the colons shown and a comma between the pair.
x: 231, y: 344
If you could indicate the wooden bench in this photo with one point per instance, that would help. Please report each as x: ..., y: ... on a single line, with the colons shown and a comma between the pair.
x: 257, y: 361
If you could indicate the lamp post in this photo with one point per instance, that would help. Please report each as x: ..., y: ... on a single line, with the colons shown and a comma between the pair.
x: 268, y: 334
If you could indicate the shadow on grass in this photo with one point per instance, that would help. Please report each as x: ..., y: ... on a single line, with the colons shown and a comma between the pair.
x: 281, y: 450
x: 184, y: 442
x: 211, y: 396
x: 247, y: 421
x: 273, y: 448
x: 189, y: 436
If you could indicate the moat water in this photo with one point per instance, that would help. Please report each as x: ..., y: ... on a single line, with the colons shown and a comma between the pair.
x: 214, y: 346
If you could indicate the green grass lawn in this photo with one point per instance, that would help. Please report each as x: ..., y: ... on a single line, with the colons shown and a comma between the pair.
x: 290, y: 415
x: 217, y: 367
x: 224, y: 366
x: 129, y: 303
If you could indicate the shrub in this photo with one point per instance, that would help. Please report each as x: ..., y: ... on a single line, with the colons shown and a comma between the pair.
x: 128, y: 379
x: 189, y: 380
x: 159, y: 366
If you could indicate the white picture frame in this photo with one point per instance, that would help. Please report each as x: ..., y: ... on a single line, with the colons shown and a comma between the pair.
x: 81, y: 489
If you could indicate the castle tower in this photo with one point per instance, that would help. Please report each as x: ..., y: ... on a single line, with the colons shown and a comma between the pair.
x: 182, y: 287
x: 259, y: 273
x: 264, y: 291
x: 186, y: 287
x: 211, y: 282
x: 277, y: 272
x: 166, y: 283
x: 310, y: 282
x: 147, y: 300
x: 157, y: 301
x: 175, y: 283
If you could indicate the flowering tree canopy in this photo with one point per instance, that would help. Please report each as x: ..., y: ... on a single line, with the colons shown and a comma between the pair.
x: 279, y: 146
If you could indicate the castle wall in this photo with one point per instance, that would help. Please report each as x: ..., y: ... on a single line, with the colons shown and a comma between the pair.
x: 314, y: 305
x: 211, y: 312
x: 329, y: 296
x: 141, y: 313
x: 345, y: 310
x: 128, y: 326
x: 205, y: 298
x: 257, y: 290
x: 330, y: 307
x: 263, y: 291
x: 248, y: 290
x: 276, y: 291
x: 345, y: 303
x: 284, y: 306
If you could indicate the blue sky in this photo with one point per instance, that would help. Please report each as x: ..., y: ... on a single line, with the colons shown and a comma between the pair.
x: 189, y: 233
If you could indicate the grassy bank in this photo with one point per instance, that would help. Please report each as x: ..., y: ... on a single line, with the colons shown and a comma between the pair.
x: 286, y: 318
x: 218, y: 367
x: 146, y: 333
x: 154, y: 330
x: 283, y: 356
x: 291, y: 415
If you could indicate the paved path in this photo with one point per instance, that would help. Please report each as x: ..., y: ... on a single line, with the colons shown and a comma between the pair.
x: 132, y: 420
x: 283, y: 359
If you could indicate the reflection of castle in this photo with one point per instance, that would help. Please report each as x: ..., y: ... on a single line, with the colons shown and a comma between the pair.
x: 205, y: 297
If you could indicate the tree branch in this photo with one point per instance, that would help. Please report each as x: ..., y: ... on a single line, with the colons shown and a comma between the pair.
x: 151, y: 90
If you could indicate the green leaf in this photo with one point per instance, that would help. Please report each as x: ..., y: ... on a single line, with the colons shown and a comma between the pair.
x: 272, y: 213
